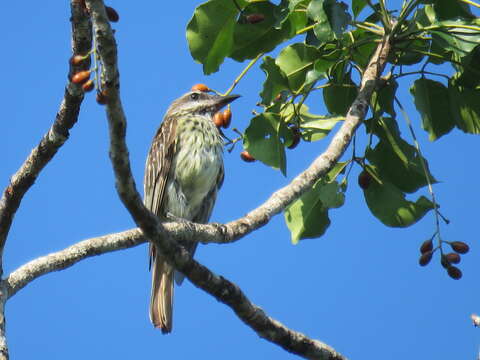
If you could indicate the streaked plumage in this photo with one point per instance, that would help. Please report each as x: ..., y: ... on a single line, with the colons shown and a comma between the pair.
x: 183, y: 173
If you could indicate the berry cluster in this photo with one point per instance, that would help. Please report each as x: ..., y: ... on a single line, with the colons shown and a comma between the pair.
x: 447, y: 260
x: 83, y: 77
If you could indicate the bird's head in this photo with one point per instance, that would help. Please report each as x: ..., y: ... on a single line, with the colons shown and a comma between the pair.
x: 199, y: 103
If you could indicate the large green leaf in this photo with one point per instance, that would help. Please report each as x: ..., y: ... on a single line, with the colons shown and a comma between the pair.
x: 323, y: 30
x: 396, y: 160
x: 339, y: 97
x: 296, y: 61
x: 448, y: 9
x: 253, y: 39
x: 465, y: 105
x: 331, y: 17
x: 357, y: 6
x: 210, y: 32
x: 314, y: 127
x: 275, y: 82
x: 409, y: 52
x: 264, y: 139
x: 383, y: 98
x: 460, y: 40
x: 388, y: 204
x: 470, y: 70
x: 432, y: 101
x: 307, y: 217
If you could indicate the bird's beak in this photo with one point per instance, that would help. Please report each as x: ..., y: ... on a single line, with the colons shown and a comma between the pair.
x: 224, y: 100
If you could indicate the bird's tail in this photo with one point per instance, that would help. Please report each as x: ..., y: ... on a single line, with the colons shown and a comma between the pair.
x: 161, y: 300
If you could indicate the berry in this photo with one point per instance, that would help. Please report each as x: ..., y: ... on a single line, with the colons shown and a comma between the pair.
x: 454, y: 272
x: 364, y: 180
x: 200, y: 87
x: 101, y: 97
x: 460, y: 247
x: 218, y: 119
x: 296, y: 138
x: 88, y: 86
x: 77, y: 59
x: 453, y: 258
x: 81, y: 77
x: 254, y: 18
x: 426, y: 246
x: 227, y: 117
x: 425, y: 258
x: 112, y: 14
x: 245, y: 155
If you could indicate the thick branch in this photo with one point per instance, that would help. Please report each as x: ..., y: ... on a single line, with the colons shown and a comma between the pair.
x: 222, y: 289
x: 56, y: 136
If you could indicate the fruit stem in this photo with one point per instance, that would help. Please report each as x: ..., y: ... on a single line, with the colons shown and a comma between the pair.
x: 425, y: 171
x: 242, y: 74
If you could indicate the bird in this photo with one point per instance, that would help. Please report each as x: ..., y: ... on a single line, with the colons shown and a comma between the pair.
x: 183, y: 173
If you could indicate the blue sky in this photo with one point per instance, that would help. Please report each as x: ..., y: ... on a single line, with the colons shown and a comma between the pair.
x: 358, y: 288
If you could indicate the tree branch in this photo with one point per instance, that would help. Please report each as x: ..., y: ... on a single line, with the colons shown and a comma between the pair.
x: 40, y: 156
x: 222, y: 289
x: 56, y: 136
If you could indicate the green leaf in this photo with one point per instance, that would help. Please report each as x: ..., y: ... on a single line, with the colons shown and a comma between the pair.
x: 470, y: 75
x: 314, y: 127
x: 338, y: 168
x: 339, y: 97
x: 383, y: 98
x: 296, y: 61
x: 448, y: 9
x: 432, y: 101
x: 459, y: 40
x: 323, y: 31
x: 408, y: 52
x: 331, y: 17
x: 210, y: 33
x: 388, y: 204
x: 357, y: 7
x: 253, y: 39
x: 307, y: 217
x: 264, y: 139
x: 362, y: 53
x: 465, y: 107
x: 397, y: 161
x: 275, y: 82
x: 317, y: 127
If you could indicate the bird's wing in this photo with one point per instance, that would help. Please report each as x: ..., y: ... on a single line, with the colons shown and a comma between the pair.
x: 157, y: 168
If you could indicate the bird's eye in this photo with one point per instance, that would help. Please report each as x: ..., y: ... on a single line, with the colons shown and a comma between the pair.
x: 194, y: 96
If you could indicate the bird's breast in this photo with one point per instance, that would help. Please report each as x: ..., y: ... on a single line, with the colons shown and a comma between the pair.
x: 198, y: 161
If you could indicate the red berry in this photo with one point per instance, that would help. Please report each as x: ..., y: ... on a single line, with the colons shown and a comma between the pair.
x: 425, y: 258
x: 454, y: 272
x: 218, y: 119
x: 460, y: 247
x: 227, y: 117
x: 112, y: 14
x: 296, y: 138
x: 364, y: 180
x: 453, y: 258
x: 101, y: 97
x: 88, y: 86
x: 426, y: 246
x: 200, y: 87
x: 81, y: 77
x: 245, y: 155
x: 77, y: 59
